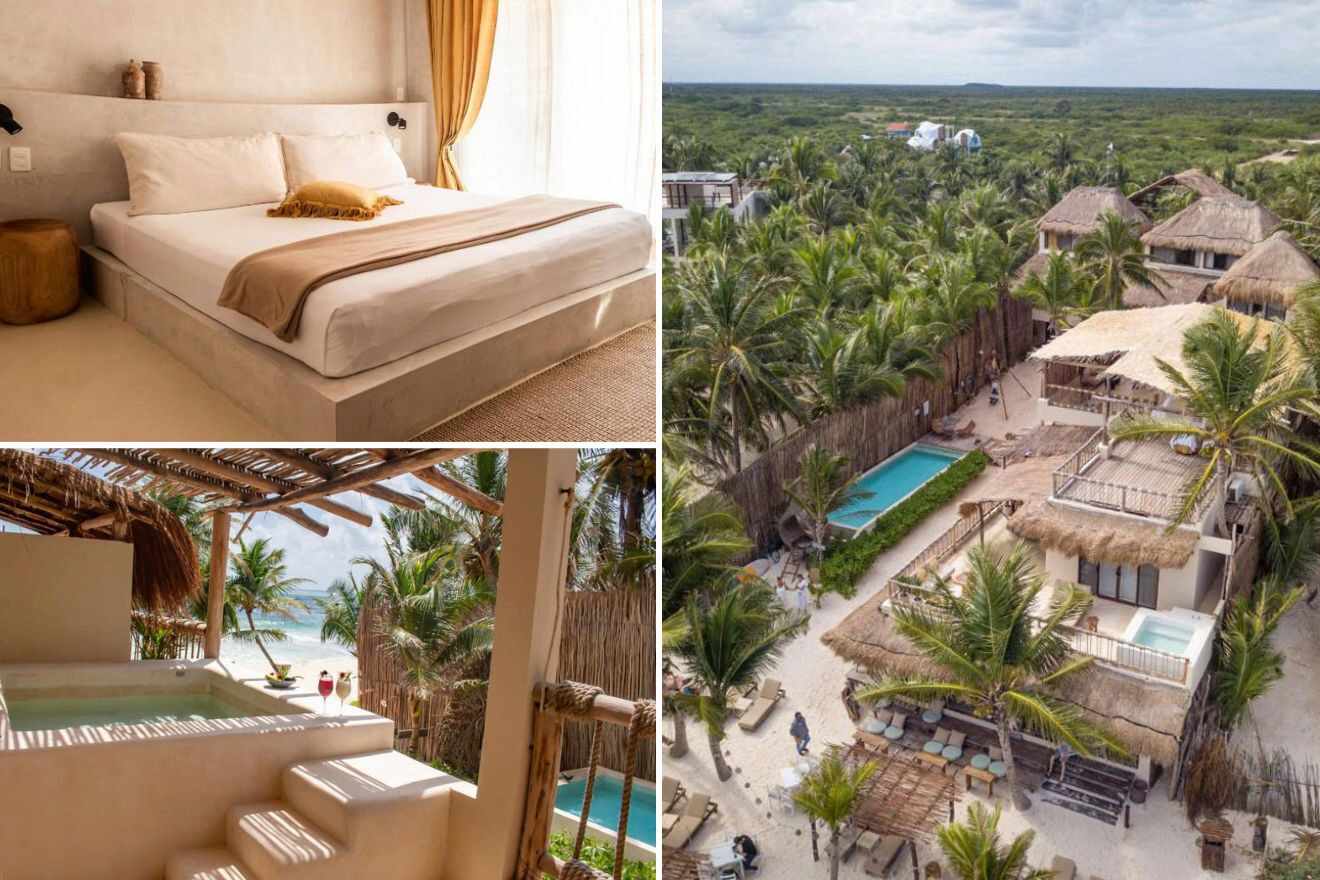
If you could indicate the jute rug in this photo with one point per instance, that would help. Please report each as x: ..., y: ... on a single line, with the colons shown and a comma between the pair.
x: 605, y: 395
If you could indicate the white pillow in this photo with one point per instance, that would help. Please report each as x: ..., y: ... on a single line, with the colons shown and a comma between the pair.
x: 366, y: 160
x: 174, y: 175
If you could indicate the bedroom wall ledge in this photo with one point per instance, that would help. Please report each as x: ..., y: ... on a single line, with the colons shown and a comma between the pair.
x: 75, y: 164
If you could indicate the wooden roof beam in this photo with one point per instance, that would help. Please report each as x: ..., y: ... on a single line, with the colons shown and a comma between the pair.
x: 412, y: 461
x: 302, y: 519
x: 398, y: 499
x: 471, y: 497
x: 326, y: 471
x: 251, y: 479
x: 170, y: 475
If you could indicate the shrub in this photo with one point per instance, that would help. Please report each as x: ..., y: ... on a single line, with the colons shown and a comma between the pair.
x: 599, y: 855
x: 846, y: 561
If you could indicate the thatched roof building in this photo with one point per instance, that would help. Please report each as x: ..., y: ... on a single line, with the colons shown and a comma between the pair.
x: 1222, y: 224
x: 1270, y: 273
x: 1176, y: 287
x: 1102, y: 538
x: 1145, y: 715
x: 1079, y: 212
x: 1127, y: 342
x: 52, y: 498
x: 1194, y: 179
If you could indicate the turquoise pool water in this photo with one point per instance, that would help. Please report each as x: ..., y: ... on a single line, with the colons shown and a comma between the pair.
x: 606, y: 798
x: 891, y: 482
x: 1163, y: 636
x: 45, y: 713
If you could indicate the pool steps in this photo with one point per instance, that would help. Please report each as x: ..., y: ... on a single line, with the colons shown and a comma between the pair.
x: 340, y: 817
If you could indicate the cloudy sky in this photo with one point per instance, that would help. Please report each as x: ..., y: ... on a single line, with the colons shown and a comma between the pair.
x: 1188, y: 43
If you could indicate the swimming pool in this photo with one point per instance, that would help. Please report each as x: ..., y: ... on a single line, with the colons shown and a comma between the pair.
x: 890, y: 482
x: 1163, y: 635
x: 606, y: 799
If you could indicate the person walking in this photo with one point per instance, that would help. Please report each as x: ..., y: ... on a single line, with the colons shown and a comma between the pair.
x: 801, y: 736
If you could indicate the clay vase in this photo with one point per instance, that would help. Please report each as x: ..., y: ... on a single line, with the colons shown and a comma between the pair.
x: 155, y: 80
x: 135, y: 81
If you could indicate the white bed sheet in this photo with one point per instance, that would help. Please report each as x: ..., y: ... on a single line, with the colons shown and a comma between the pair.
x: 370, y: 319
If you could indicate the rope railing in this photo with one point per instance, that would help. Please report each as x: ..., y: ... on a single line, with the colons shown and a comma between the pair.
x: 555, y: 704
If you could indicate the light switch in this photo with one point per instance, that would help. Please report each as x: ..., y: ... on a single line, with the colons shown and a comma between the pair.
x: 20, y: 158
x: 397, y: 143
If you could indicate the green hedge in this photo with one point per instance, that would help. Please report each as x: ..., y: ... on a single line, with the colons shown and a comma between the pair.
x: 599, y: 855
x: 846, y: 561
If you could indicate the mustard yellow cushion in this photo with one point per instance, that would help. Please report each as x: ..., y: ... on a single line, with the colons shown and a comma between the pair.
x: 335, y: 200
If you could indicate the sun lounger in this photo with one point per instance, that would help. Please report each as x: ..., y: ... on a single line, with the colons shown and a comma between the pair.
x: 941, y: 739
x: 883, y: 855
x: 743, y: 702
x: 897, y: 726
x: 672, y: 792
x: 966, y: 430
x: 956, y: 740
x: 695, y: 813
x: 1063, y: 868
x: 770, y: 694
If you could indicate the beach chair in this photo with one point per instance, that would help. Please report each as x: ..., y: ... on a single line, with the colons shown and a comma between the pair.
x: 897, y: 727
x: 770, y: 694
x: 1063, y: 868
x: 956, y: 740
x: 883, y: 855
x: 698, y: 809
x: 743, y: 702
x: 966, y: 430
x: 672, y: 792
x: 941, y: 739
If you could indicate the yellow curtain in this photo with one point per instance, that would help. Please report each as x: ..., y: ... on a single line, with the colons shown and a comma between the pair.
x: 462, y: 37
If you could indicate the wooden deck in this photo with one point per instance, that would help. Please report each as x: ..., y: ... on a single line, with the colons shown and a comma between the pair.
x: 1144, y: 477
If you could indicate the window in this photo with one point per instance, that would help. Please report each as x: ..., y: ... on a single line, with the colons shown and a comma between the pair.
x: 1222, y: 261
x: 1130, y: 584
x: 1185, y: 258
x: 1066, y: 242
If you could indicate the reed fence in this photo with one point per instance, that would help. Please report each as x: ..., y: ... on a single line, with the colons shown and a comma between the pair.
x: 607, y: 639
x: 161, y: 637
x: 1275, y: 784
x: 870, y: 433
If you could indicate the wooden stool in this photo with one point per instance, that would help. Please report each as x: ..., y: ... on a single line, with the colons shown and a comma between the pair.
x: 38, y: 271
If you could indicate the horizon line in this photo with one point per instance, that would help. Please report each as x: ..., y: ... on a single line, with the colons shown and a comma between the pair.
x: 975, y: 83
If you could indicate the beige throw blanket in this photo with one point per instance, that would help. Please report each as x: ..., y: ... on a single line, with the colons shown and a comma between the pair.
x: 271, y: 286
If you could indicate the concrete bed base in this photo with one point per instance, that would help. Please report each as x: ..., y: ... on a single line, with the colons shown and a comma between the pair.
x: 392, y: 402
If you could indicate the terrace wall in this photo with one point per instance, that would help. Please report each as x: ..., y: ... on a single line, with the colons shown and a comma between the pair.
x: 870, y: 433
x: 64, y: 600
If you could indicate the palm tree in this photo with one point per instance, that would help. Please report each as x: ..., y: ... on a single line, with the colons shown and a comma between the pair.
x: 1114, y: 255
x: 341, y: 609
x: 1248, y: 664
x: 974, y: 851
x: 823, y: 484
x: 837, y: 371
x: 995, y: 656
x: 433, y: 621
x: 737, y: 344
x: 1236, y: 397
x: 701, y: 538
x: 1058, y: 292
x: 259, y: 584
x: 1061, y: 150
x: 830, y: 794
x: 951, y: 305
x: 728, y: 644
x: 825, y: 274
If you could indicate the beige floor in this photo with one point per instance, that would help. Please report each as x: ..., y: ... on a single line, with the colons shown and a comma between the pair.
x: 92, y: 378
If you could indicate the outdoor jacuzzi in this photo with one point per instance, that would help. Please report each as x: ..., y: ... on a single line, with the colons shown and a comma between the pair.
x: 108, y: 769
x: 1181, y: 632
x: 603, y: 819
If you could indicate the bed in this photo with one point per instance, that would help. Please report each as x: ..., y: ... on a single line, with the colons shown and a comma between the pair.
x: 365, y: 321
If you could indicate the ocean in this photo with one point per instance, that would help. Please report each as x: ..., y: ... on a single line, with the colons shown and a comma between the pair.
x: 304, y: 636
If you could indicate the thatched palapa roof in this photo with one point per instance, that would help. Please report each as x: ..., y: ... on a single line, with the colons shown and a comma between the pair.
x: 1222, y: 224
x: 1102, y: 538
x: 1193, y: 178
x: 1270, y: 273
x: 1176, y: 287
x: 52, y: 498
x: 1036, y: 264
x: 1127, y: 342
x: 1079, y: 212
x: 1146, y: 716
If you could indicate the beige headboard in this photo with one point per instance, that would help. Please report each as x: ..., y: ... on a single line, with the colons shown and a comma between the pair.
x: 75, y: 164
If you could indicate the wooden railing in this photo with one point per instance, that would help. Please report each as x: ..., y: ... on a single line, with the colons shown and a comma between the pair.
x: 1069, y: 482
x: 1071, y: 397
x: 159, y: 637
x: 906, y: 589
x: 548, y: 723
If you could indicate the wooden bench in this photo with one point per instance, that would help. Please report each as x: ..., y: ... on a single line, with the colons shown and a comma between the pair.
x: 934, y: 760
x: 873, y: 741
x: 970, y: 773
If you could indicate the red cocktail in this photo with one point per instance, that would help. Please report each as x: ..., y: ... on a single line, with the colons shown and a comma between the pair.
x: 325, y: 686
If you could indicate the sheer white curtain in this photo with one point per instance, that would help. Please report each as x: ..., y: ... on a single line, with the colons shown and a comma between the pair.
x: 572, y: 107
